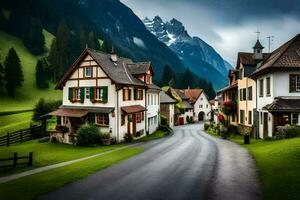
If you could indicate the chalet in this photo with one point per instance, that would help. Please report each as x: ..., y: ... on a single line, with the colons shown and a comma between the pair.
x: 167, y: 108
x: 278, y: 88
x: 185, y: 105
x: 111, y: 92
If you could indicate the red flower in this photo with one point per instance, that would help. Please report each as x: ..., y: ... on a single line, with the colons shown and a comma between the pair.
x: 227, y: 103
x: 221, y: 118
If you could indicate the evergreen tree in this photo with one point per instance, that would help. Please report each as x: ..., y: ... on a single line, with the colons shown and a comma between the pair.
x: 167, y: 76
x: 54, y: 60
x: 34, y: 40
x: 93, y: 41
x: 13, y: 72
x: 1, y: 75
x: 210, y: 91
x: 42, y: 74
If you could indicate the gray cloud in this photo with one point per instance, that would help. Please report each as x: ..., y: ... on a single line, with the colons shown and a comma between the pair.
x: 229, y: 26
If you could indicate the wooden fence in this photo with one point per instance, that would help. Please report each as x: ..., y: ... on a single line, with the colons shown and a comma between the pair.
x: 21, y: 136
x: 15, y: 160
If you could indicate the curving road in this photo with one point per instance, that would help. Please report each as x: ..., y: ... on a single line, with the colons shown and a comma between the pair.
x: 187, y: 165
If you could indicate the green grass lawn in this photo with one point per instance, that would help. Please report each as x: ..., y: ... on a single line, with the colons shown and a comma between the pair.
x: 278, y: 164
x: 28, y: 94
x: 14, y: 122
x: 48, y: 153
x: 156, y: 135
x: 32, y: 186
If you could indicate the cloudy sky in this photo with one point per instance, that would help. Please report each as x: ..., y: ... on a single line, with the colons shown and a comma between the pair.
x: 229, y: 26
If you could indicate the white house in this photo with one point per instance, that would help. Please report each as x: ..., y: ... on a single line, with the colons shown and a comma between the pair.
x: 278, y: 88
x: 188, y: 109
x: 200, y: 102
x: 109, y: 91
x: 167, y: 108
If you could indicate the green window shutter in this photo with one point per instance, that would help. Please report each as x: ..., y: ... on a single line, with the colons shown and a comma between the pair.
x: 105, y: 93
x: 92, y: 93
x: 58, y: 120
x: 91, y: 118
x: 71, y: 94
x: 135, y: 94
x: 82, y: 90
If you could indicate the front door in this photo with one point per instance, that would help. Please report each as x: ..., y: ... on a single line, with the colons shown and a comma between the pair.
x: 265, y: 125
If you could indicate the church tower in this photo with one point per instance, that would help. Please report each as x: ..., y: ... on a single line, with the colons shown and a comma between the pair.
x: 258, y: 51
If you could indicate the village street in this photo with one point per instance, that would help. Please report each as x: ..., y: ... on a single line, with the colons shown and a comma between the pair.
x: 187, y: 165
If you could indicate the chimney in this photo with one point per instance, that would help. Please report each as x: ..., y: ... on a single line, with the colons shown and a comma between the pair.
x: 114, y: 57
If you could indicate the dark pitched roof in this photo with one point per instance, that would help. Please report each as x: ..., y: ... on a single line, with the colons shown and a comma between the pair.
x: 234, y: 86
x: 286, y: 56
x: 258, y: 45
x: 282, y: 104
x: 153, y: 87
x: 139, y: 67
x: 118, y: 71
x: 181, y: 94
x: 246, y: 58
x: 164, y: 98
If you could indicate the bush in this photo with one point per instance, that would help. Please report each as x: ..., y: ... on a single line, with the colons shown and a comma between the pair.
x: 287, y: 131
x: 206, y: 126
x: 88, y: 135
x: 105, y: 136
x: 44, y: 139
x: 187, y: 119
x: 128, y: 137
x: 167, y: 130
x: 164, y: 120
x: 268, y: 138
x: 44, y: 107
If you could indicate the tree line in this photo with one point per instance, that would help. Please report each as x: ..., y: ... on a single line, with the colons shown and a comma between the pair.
x: 11, y: 74
x: 184, y: 80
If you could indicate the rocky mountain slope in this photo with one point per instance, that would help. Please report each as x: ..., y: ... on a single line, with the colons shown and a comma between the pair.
x: 196, y: 54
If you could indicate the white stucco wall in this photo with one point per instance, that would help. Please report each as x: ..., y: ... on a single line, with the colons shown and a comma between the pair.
x: 171, y: 114
x: 153, y: 104
x: 206, y: 107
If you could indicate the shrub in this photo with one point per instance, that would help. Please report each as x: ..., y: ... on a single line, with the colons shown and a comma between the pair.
x: 206, y: 126
x: 128, y: 137
x: 164, y: 120
x: 88, y: 135
x: 167, y: 130
x: 187, y: 119
x: 244, y: 130
x: 44, y: 139
x: 43, y: 107
x: 268, y: 138
x: 105, y: 136
x: 287, y: 131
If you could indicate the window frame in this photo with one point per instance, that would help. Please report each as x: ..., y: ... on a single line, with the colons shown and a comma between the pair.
x: 87, y: 93
x: 292, y: 117
x: 297, y: 86
x: 104, y: 119
x: 261, y: 88
x: 268, y: 86
x: 85, y: 71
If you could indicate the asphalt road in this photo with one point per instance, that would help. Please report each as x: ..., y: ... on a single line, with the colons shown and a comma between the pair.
x: 187, y: 165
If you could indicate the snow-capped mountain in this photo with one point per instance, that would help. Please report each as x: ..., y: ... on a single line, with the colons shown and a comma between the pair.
x: 196, y: 54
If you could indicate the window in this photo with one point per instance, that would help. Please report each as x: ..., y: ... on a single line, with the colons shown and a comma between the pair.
x: 99, y: 94
x: 201, y: 106
x: 87, y: 93
x: 88, y: 71
x: 103, y: 119
x: 201, y: 98
x: 138, y: 117
x: 242, y: 116
x: 261, y: 118
x: 126, y: 94
x: 244, y: 94
x: 241, y: 95
x: 297, y: 83
x: 77, y: 93
x: 250, y: 93
x: 268, y: 87
x: 206, y: 105
x: 261, y: 87
x: 122, y: 120
x: 139, y: 94
x: 249, y: 117
x: 295, y: 117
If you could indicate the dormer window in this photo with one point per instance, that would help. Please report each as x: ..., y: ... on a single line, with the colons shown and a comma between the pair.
x: 88, y: 71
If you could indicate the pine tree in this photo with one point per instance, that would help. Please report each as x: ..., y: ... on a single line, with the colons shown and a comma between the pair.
x: 93, y: 41
x: 34, y: 39
x: 54, y: 60
x: 42, y: 74
x: 167, y: 76
x: 13, y: 72
x: 1, y: 75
